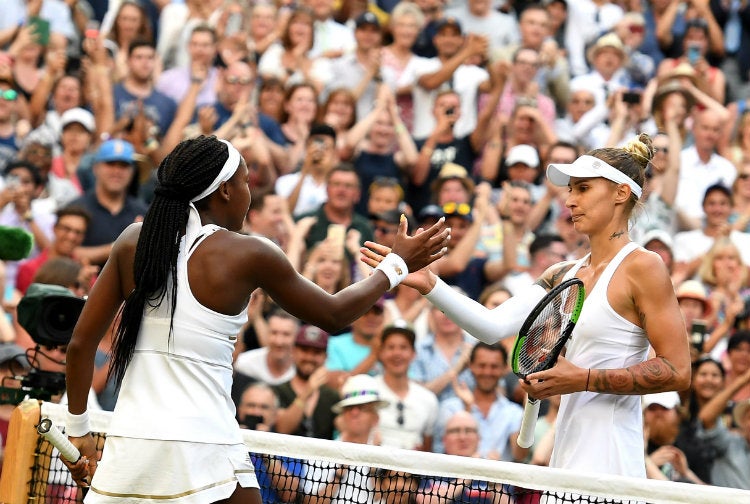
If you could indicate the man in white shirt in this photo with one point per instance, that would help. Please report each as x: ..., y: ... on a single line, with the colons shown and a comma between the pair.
x: 701, y: 167
x: 330, y: 39
x: 409, y: 419
x: 608, y: 75
x: 273, y: 363
x: 449, y: 70
x: 478, y: 17
x: 691, y: 246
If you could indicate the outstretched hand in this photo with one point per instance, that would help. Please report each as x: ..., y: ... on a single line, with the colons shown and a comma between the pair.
x: 424, y: 247
x: 419, y: 278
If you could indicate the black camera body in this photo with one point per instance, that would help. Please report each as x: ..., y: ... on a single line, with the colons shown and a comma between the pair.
x: 49, y: 314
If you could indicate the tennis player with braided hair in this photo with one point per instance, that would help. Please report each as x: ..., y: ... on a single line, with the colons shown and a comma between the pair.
x: 186, y: 277
x: 630, y: 305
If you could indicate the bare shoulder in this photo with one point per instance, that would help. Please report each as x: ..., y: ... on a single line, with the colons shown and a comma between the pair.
x: 554, y: 274
x: 640, y: 261
x: 126, y: 243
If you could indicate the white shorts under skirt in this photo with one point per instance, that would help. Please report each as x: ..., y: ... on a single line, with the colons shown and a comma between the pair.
x: 150, y: 471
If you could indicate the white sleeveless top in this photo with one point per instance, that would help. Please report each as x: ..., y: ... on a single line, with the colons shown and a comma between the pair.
x: 178, y: 387
x: 602, y: 433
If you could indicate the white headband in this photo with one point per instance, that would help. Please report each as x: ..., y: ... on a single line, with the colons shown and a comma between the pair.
x: 590, y: 167
x: 233, y: 162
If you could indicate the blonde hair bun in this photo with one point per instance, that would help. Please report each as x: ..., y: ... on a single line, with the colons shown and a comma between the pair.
x: 641, y: 149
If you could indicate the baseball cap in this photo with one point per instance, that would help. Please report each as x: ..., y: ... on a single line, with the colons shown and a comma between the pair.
x: 367, y: 18
x: 667, y: 400
x: 448, y: 21
x: 525, y: 154
x: 430, y: 212
x: 115, y: 150
x: 390, y: 216
x: 13, y: 352
x: 311, y: 336
x: 658, y: 235
x: 79, y: 115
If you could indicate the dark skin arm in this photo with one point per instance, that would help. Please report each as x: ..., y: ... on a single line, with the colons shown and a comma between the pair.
x: 225, y: 286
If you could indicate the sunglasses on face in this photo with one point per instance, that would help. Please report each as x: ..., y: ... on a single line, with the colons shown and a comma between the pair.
x: 453, y: 208
x: 233, y: 79
x: 9, y: 95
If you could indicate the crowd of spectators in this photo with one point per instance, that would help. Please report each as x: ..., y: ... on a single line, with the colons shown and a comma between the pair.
x: 350, y: 114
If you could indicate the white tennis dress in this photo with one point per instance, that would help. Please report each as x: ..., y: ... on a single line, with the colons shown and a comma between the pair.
x: 173, y: 436
x: 602, y: 433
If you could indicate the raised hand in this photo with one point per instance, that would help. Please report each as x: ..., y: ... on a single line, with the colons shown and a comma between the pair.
x: 422, y: 280
x: 425, y: 247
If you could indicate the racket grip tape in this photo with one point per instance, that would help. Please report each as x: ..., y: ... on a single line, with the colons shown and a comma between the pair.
x: 528, y: 423
x: 57, y: 439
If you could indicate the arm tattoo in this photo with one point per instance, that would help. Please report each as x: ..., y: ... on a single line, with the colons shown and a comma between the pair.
x: 644, y: 378
x: 548, y: 282
x: 616, y: 234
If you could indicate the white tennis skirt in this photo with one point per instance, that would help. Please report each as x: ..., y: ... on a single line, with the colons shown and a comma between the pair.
x: 148, y: 471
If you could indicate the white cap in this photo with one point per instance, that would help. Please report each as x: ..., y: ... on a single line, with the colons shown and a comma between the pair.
x: 523, y: 153
x: 81, y: 116
x: 590, y: 167
x: 668, y: 400
x: 359, y: 389
x: 658, y: 235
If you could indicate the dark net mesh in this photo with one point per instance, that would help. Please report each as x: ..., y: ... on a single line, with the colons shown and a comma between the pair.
x: 294, y: 469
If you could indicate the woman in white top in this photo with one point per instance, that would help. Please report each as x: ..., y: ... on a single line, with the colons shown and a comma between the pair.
x: 186, y: 275
x: 630, y: 306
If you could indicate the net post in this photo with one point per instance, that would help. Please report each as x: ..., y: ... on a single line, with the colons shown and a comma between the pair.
x: 20, y: 453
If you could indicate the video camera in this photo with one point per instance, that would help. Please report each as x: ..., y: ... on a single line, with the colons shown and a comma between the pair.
x: 48, y: 313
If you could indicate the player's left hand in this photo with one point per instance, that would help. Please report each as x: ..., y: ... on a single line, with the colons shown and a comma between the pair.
x: 563, y: 378
x: 83, y: 470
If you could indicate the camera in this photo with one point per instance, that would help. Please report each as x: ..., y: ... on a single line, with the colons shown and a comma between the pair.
x: 631, y: 97
x: 698, y: 334
x: 450, y: 111
x: 251, y: 421
x: 48, y: 313
x: 693, y: 54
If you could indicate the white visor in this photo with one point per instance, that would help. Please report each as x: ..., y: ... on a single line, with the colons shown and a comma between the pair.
x: 590, y: 167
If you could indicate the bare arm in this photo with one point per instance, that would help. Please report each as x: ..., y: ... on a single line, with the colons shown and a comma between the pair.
x: 712, y: 410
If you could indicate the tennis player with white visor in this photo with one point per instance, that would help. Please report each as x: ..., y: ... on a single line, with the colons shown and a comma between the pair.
x: 629, y: 339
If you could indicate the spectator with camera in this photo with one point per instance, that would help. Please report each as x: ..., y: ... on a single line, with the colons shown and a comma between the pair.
x: 694, y: 49
x: 444, y: 145
x: 305, y: 190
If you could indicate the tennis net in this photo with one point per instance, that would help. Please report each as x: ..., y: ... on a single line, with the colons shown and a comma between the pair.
x: 313, y: 471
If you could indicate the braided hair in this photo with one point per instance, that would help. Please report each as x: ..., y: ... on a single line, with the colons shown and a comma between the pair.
x: 186, y: 172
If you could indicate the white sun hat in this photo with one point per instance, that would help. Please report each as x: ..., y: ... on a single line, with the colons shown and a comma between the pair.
x: 359, y: 389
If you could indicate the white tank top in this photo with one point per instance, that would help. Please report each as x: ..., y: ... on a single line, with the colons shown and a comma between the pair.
x: 178, y: 387
x: 602, y: 433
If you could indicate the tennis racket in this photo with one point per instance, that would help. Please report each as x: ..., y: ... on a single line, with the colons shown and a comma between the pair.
x: 57, y: 439
x: 541, y: 339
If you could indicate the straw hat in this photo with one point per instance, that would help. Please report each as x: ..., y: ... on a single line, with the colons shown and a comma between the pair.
x: 453, y: 171
x: 683, y: 70
x: 669, y: 88
x: 610, y: 40
x: 359, y: 389
x: 693, y: 289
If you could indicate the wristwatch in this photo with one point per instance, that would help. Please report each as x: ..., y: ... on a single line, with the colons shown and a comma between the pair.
x: 28, y: 217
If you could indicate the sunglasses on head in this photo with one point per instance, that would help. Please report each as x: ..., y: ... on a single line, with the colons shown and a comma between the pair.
x: 9, y: 95
x: 456, y: 208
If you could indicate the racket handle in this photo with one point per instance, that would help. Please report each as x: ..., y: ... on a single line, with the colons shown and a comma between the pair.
x: 528, y: 423
x: 57, y: 439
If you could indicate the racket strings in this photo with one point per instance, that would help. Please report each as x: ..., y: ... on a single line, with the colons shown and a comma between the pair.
x: 544, y: 333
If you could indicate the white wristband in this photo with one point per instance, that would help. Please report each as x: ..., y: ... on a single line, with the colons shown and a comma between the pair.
x: 394, y: 268
x: 77, y: 425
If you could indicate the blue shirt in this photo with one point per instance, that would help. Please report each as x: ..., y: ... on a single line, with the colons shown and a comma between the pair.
x: 504, y: 419
x: 157, y: 106
x: 431, y: 363
x: 344, y: 354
